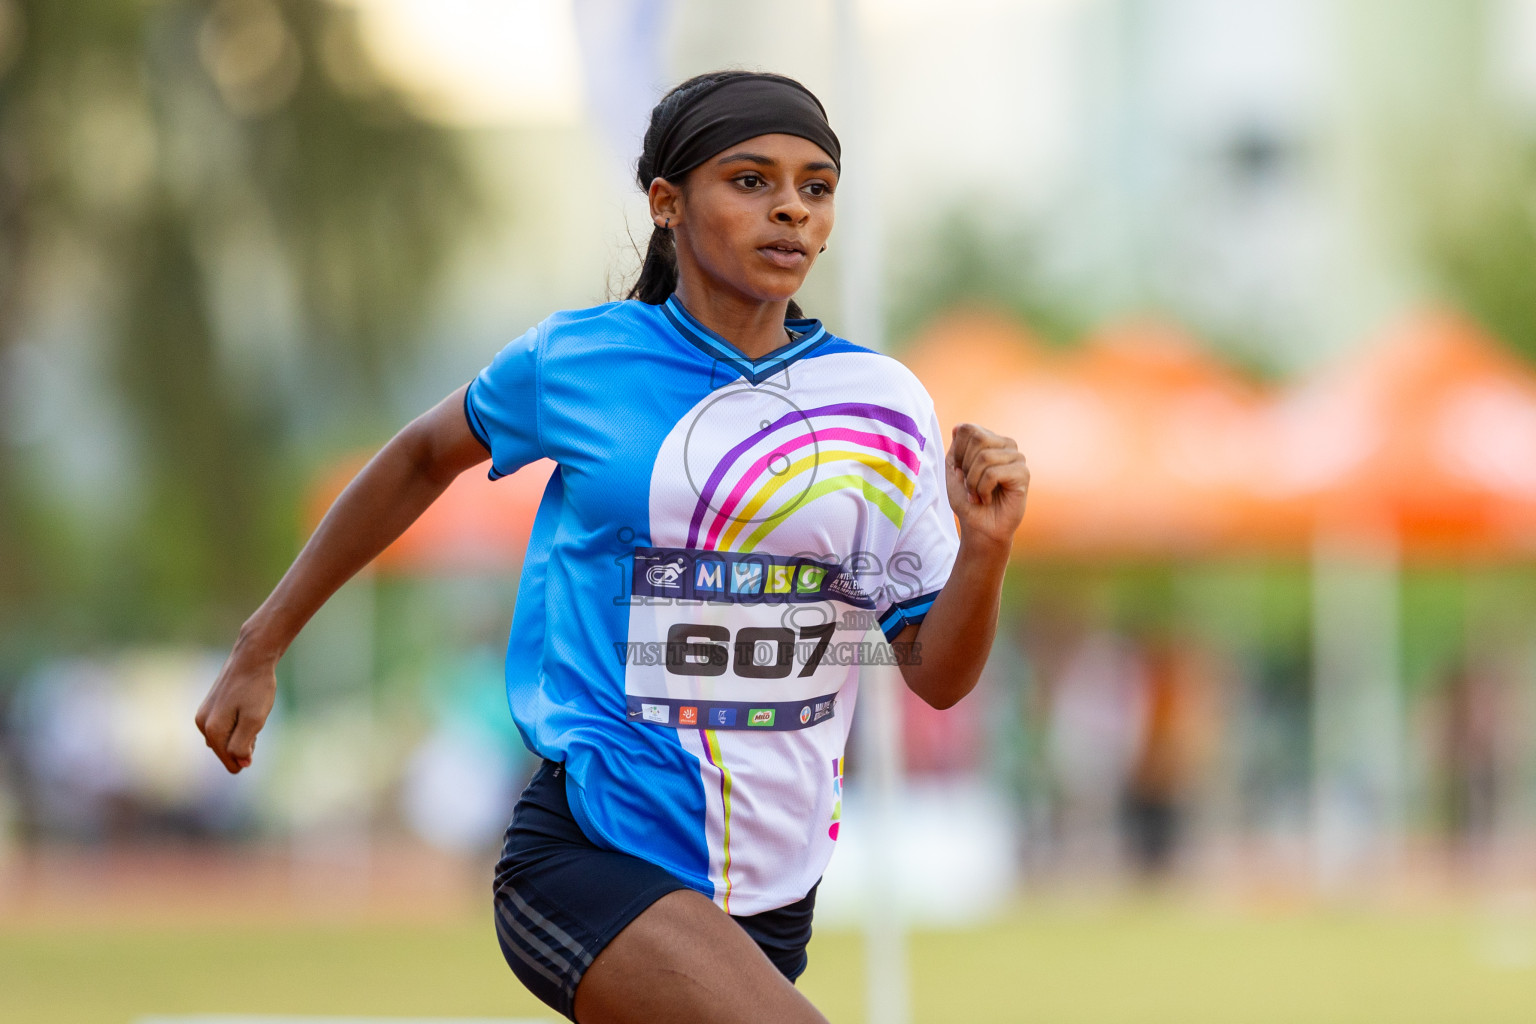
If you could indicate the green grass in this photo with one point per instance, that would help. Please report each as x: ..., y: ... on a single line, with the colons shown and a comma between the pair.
x: 1147, y: 964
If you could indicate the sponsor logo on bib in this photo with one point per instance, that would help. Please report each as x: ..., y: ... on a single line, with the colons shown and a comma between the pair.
x: 761, y: 716
x: 735, y: 577
x: 667, y: 574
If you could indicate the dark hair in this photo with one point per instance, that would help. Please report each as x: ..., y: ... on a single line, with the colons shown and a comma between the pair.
x: 658, y: 273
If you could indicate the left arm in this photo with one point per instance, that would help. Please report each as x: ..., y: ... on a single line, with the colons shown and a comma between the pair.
x: 942, y: 656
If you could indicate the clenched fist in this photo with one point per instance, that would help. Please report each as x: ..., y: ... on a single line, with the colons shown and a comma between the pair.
x: 237, y: 706
x: 988, y: 481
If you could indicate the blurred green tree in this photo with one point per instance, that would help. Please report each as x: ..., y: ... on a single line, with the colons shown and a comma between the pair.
x: 1449, y: 148
x: 1480, y: 236
x: 246, y: 219
x: 969, y: 256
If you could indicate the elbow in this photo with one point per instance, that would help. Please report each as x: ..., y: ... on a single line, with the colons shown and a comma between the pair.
x: 939, y: 682
x: 940, y: 698
x: 943, y: 693
x: 943, y: 702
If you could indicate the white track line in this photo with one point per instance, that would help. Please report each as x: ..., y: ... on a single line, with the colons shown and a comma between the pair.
x: 218, y: 1018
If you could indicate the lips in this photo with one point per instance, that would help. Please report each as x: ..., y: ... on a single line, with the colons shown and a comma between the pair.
x: 784, y: 252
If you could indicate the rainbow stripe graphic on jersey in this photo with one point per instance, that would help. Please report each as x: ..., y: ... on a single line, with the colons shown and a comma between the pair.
x: 837, y: 797
x: 713, y: 755
x: 730, y: 510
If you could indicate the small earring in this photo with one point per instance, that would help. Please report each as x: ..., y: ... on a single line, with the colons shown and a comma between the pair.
x: 667, y: 226
x: 823, y: 248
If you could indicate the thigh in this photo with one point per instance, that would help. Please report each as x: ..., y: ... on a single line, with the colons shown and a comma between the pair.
x: 783, y: 934
x: 558, y: 899
x: 684, y: 961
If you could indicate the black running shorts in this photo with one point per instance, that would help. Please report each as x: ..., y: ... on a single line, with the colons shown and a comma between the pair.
x: 559, y: 898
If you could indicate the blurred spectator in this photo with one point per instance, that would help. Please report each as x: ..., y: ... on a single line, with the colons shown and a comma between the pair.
x: 945, y: 742
x: 107, y: 751
x: 1475, y: 717
x: 1176, y: 729
x: 10, y: 803
x: 463, y: 778
x: 1098, y: 704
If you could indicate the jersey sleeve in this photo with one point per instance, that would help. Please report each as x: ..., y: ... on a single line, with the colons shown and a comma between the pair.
x: 502, y: 406
x: 926, y: 544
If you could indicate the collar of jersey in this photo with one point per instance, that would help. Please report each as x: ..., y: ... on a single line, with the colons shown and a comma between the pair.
x: 809, y: 333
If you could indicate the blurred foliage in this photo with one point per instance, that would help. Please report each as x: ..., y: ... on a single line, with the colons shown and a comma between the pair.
x: 969, y: 257
x: 1481, y: 240
x: 252, y: 221
x: 1454, y: 152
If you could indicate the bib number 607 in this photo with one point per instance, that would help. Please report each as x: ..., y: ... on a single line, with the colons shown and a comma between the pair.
x: 696, y: 649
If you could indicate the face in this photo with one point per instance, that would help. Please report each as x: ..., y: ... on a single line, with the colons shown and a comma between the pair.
x: 752, y: 219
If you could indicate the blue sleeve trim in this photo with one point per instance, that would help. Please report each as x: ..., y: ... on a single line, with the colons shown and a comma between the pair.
x: 539, y: 342
x: 478, y: 429
x: 473, y: 419
x: 906, y: 613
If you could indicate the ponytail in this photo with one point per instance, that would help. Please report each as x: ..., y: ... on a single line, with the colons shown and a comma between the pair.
x: 658, y: 274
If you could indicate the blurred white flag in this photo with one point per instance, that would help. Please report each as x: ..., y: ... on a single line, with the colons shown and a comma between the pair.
x: 621, y: 45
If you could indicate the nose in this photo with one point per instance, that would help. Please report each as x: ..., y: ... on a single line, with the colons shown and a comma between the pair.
x: 792, y: 210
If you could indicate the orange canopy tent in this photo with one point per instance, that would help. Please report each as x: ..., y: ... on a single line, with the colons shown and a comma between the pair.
x: 968, y: 356
x: 476, y: 526
x: 1138, y: 443
x: 1428, y: 437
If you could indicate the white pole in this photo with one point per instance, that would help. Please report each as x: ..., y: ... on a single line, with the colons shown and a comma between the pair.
x: 1357, y: 715
x: 858, y: 206
x: 886, y: 980
x: 858, y: 241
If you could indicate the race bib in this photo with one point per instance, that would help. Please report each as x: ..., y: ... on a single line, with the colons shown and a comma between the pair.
x: 731, y: 640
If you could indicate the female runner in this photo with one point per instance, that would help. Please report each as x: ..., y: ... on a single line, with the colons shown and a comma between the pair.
x: 738, y: 496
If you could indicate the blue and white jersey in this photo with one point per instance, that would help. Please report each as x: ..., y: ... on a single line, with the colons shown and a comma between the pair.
x: 716, y: 539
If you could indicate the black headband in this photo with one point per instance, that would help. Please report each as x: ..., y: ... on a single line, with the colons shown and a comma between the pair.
x: 733, y: 111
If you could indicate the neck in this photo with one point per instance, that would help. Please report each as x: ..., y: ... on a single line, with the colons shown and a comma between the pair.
x: 752, y: 325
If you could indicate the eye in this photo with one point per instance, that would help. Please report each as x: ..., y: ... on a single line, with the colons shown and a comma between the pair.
x: 818, y: 189
x: 749, y: 181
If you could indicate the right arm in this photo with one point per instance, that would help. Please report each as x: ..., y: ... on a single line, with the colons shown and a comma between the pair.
x: 387, y: 496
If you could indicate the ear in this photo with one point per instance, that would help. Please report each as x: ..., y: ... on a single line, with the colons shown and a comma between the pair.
x: 666, y: 202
